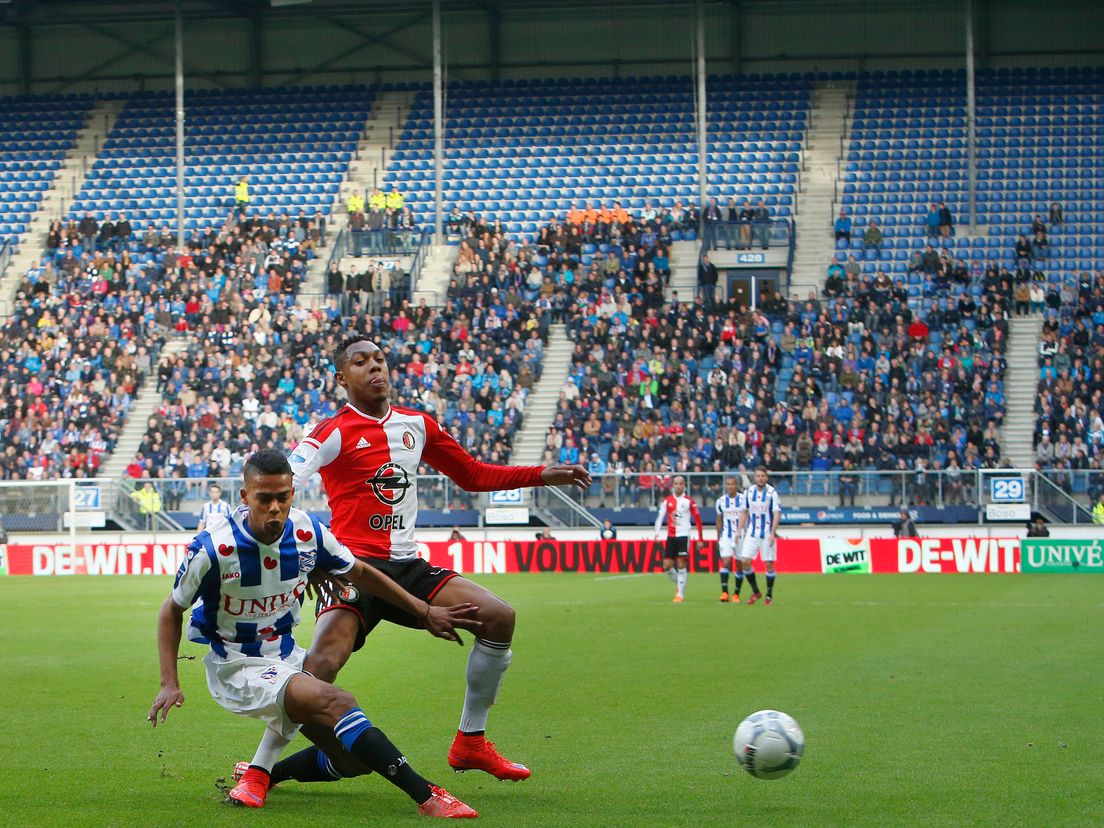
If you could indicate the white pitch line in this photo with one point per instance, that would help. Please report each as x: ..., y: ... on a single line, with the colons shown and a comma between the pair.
x: 620, y: 577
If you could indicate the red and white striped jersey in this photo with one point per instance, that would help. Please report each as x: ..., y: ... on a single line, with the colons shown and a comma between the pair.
x: 678, y: 511
x: 369, y: 467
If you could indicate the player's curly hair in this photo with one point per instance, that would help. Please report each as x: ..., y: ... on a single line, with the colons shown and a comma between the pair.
x: 347, y: 343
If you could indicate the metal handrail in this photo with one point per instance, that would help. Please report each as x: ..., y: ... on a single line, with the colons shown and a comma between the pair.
x: 552, y: 500
x: 6, y: 253
x: 1061, y: 505
x: 420, y: 256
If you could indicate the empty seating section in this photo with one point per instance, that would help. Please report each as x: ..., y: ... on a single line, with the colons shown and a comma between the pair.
x: 294, y: 145
x: 907, y: 149
x: 521, y: 152
x: 35, y: 135
x: 1039, y: 141
x: 1040, y: 138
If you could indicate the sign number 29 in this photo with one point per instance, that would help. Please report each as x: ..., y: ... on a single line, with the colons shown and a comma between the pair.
x: 1006, y: 489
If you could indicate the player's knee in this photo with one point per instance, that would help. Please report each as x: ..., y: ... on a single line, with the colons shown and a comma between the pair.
x: 335, y: 703
x: 498, y: 622
x: 323, y: 667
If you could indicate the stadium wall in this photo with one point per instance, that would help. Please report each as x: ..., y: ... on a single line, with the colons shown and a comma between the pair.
x: 104, y: 52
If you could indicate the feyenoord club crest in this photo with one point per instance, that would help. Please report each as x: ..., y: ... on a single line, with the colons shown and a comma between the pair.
x: 348, y: 594
x: 408, y: 440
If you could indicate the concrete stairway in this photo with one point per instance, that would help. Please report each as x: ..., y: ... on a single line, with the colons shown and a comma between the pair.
x: 436, y: 273
x: 143, y: 405
x: 1020, y: 384
x: 813, y: 218
x: 381, y: 133
x: 381, y: 130
x: 684, y: 270
x: 66, y: 184
x: 540, y: 408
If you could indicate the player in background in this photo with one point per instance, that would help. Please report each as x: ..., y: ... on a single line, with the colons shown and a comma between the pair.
x: 251, y: 570
x: 368, y: 456
x: 759, y: 521
x: 729, y: 505
x: 678, y: 510
x: 214, y: 507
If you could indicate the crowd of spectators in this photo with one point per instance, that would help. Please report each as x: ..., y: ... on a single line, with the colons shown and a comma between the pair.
x: 857, y: 381
x: 88, y: 323
x: 266, y: 380
x: 1069, y: 433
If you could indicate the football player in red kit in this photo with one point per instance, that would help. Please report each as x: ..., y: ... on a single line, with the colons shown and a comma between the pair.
x: 679, y: 510
x: 368, y: 456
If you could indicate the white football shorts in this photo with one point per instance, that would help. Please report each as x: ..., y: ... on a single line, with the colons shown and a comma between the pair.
x: 763, y: 547
x: 254, y: 687
x: 727, y: 547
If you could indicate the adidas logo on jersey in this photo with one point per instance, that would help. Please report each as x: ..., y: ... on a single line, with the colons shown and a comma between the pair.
x: 362, y: 443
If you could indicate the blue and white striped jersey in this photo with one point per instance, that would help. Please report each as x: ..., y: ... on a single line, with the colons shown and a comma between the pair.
x: 252, y: 592
x: 212, y: 509
x: 729, y: 508
x: 761, y: 504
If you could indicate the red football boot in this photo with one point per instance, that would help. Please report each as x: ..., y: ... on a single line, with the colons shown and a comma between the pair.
x: 476, y: 753
x: 444, y: 805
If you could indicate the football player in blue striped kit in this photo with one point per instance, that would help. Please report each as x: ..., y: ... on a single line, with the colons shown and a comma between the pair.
x: 729, y: 505
x: 759, y: 521
x: 249, y: 572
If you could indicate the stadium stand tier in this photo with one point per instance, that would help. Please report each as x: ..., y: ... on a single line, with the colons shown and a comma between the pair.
x: 520, y: 151
x: 35, y: 134
x: 294, y: 145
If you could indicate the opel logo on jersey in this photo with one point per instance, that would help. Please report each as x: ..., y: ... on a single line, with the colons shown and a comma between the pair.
x: 390, y: 483
x: 408, y: 440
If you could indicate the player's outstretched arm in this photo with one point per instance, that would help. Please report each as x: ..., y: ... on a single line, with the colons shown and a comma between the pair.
x: 564, y: 474
x: 170, y: 620
x: 442, y: 622
x: 443, y: 453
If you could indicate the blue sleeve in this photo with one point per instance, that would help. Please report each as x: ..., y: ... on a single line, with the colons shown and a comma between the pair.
x: 198, y: 573
x: 333, y: 556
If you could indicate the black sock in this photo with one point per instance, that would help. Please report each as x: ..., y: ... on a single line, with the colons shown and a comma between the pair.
x: 770, y: 584
x: 724, y: 580
x: 752, y: 582
x: 308, y: 765
x: 375, y: 750
x: 738, y: 581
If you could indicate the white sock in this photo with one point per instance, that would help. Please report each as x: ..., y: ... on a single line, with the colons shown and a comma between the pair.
x: 681, y: 581
x: 672, y: 574
x: 487, y: 664
x: 269, y: 750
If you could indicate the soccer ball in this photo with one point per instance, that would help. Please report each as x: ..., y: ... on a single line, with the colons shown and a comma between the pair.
x: 768, y: 744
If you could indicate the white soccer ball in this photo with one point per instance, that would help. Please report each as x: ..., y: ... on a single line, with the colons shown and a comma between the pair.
x: 768, y: 744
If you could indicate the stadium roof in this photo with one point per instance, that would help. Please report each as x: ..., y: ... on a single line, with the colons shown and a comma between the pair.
x: 103, y: 11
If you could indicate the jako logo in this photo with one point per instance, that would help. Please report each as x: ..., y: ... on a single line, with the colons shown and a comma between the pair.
x: 390, y: 483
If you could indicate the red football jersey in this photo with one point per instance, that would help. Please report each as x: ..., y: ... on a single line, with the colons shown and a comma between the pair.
x: 678, y: 511
x: 369, y: 467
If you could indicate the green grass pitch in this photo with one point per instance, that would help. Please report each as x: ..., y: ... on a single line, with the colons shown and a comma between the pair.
x: 925, y: 700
